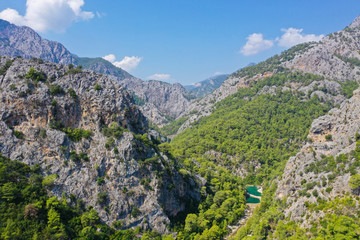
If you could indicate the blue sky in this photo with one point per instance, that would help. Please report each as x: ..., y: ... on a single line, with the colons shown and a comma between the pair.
x: 181, y: 41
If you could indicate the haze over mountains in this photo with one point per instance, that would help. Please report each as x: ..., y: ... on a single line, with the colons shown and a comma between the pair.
x: 288, y: 125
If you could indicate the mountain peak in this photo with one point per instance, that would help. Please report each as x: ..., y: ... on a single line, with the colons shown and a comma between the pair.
x: 355, y: 23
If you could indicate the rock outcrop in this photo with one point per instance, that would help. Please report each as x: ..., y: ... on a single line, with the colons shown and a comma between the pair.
x: 91, y: 142
x: 314, y: 169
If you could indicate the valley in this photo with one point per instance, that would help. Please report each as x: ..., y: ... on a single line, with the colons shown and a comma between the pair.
x: 88, y: 151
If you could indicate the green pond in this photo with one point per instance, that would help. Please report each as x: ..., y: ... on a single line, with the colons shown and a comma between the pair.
x: 254, y: 191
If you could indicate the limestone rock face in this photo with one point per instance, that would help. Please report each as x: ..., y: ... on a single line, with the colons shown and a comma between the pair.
x: 342, y: 124
x: 114, y: 174
x: 25, y: 42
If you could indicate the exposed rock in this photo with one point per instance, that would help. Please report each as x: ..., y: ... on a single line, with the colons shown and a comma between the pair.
x: 155, y: 186
x: 341, y: 124
x: 25, y: 42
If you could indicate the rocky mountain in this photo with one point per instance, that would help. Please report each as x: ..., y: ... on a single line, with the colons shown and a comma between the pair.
x: 163, y: 101
x: 336, y: 57
x: 323, y: 167
x: 25, y: 42
x: 207, y: 86
x: 91, y: 142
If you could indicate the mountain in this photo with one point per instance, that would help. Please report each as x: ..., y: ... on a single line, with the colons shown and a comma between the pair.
x: 335, y: 57
x: 207, y: 86
x: 25, y: 42
x: 91, y: 142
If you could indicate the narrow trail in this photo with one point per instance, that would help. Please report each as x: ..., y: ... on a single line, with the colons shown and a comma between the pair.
x: 248, y: 213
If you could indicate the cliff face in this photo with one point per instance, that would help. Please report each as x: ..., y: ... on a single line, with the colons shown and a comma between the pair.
x: 323, y: 165
x: 25, y: 42
x: 91, y: 142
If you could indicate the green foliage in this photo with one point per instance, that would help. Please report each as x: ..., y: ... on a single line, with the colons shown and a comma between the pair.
x: 355, y: 182
x: 42, y: 133
x: 49, y: 180
x: 26, y: 212
x: 173, y: 127
x: 102, y: 198
x: 100, y: 180
x: 12, y: 87
x: 328, y: 137
x: 76, y: 134
x: 97, y: 87
x: 7, y: 65
x: 73, y: 70
x: 353, y: 61
x: 348, y: 87
x: 138, y: 100
x: 36, y: 76
x: 55, y: 89
x: 72, y: 93
x: 19, y: 134
x: 114, y: 130
x: 135, y: 212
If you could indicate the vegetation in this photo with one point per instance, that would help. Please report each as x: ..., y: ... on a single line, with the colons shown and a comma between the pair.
x: 55, y: 89
x: 173, y: 127
x: 36, y: 76
x: 27, y: 212
x: 97, y: 87
x: 7, y: 65
x: 74, y: 134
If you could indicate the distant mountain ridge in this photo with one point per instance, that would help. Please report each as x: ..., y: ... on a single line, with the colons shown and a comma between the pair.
x: 207, y: 86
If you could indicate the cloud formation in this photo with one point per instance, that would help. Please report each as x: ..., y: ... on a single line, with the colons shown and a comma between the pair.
x: 45, y: 15
x: 255, y: 44
x: 293, y: 36
x: 159, y: 76
x: 127, y: 63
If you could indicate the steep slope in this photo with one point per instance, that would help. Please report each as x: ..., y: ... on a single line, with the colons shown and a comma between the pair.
x: 336, y: 57
x: 91, y: 142
x: 207, y: 86
x: 25, y: 42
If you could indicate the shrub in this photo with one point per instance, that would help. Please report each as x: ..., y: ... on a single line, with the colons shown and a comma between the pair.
x: 42, y: 133
x: 97, y: 87
x: 72, y: 93
x: 36, y: 76
x: 19, y: 134
x: 12, y: 87
x: 102, y: 198
x: 328, y: 137
x: 110, y: 143
x: 135, y: 212
x: 55, y: 89
x: 100, y: 180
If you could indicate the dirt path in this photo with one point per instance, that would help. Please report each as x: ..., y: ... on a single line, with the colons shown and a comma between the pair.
x: 248, y: 213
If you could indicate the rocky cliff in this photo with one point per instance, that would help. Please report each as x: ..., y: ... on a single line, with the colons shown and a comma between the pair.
x: 323, y: 167
x: 91, y: 142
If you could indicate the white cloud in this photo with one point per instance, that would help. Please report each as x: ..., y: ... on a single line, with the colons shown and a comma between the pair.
x: 111, y: 58
x: 293, y: 36
x: 44, y: 15
x: 160, y: 77
x: 255, y: 44
x: 127, y: 63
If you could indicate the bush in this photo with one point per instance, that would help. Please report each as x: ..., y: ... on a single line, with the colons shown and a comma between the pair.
x: 102, y: 198
x: 135, y: 212
x: 328, y: 137
x: 36, y: 76
x: 97, y: 87
x: 110, y: 143
x: 19, y: 135
x: 42, y: 133
x: 55, y: 89
x: 72, y: 93
x: 100, y: 180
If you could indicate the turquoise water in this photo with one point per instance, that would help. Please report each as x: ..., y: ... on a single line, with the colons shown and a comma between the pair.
x: 254, y: 191
x: 252, y: 200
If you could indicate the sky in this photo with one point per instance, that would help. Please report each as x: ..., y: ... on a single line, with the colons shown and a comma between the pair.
x: 183, y: 41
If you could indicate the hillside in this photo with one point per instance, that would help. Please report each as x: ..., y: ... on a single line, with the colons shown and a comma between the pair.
x: 91, y: 142
x: 335, y: 57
